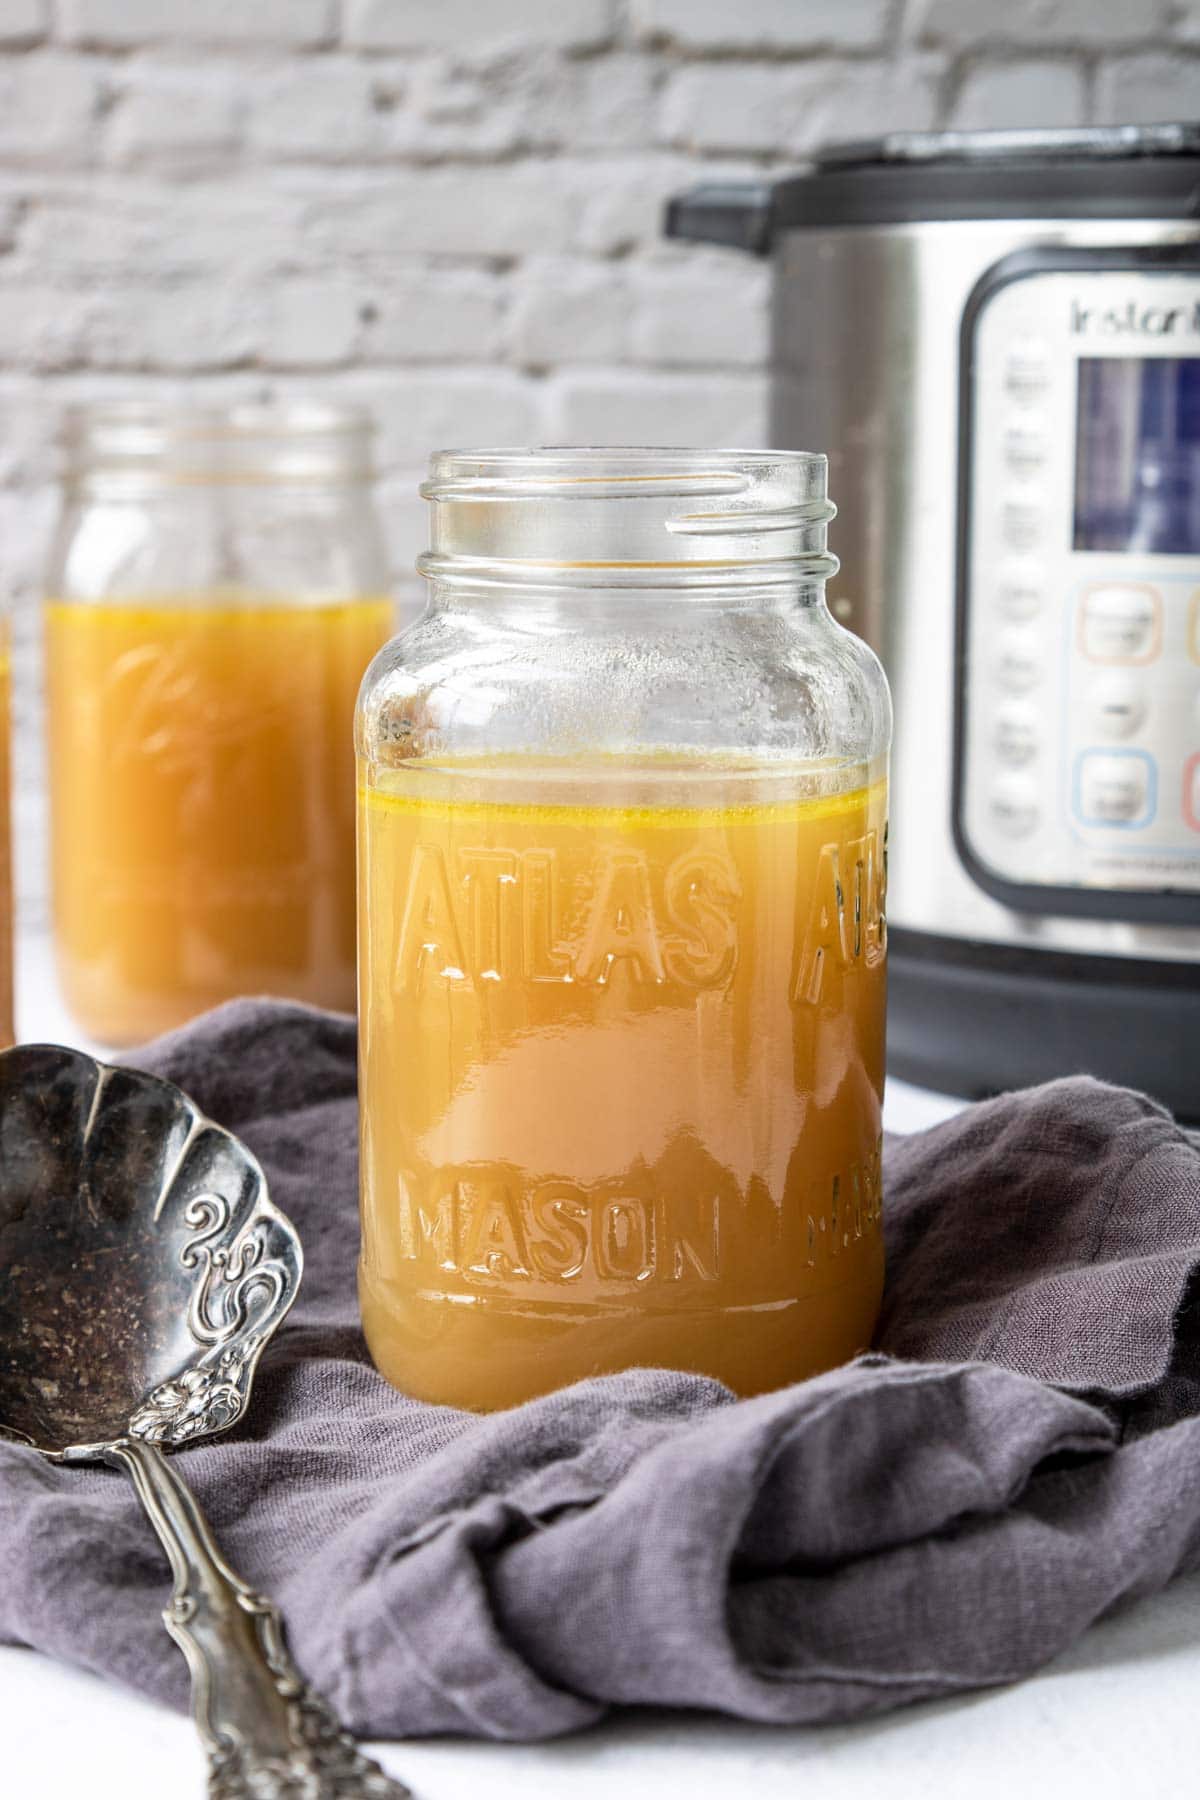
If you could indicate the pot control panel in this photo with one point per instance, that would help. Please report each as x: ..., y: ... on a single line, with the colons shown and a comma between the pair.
x: 1078, y: 706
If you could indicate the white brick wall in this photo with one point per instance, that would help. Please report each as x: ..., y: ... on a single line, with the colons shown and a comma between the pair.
x: 453, y: 24
x: 23, y: 21
x: 451, y: 208
x: 125, y: 23
x: 1069, y: 24
x: 783, y: 25
x: 1021, y: 93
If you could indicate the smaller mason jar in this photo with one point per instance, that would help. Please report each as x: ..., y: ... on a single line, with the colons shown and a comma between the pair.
x: 216, y: 589
x: 622, y: 849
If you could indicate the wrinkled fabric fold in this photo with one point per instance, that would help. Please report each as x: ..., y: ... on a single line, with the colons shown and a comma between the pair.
x: 1020, y: 1454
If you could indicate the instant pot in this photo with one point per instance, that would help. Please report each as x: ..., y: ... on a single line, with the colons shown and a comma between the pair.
x: 996, y: 338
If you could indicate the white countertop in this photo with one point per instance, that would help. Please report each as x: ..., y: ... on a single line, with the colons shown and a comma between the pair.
x: 1112, y: 1720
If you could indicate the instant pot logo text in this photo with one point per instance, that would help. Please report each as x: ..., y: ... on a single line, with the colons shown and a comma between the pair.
x: 1135, y: 319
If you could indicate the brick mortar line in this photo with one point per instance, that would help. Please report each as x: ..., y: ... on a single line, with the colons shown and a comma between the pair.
x: 886, y: 48
x: 537, y: 377
x: 185, y: 174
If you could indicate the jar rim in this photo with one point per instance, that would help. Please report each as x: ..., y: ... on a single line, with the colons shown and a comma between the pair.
x: 588, y: 515
x: 183, y: 420
x: 552, y: 466
x: 623, y: 453
x: 304, y: 438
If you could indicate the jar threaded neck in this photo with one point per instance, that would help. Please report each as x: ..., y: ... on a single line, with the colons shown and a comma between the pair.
x: 305, y: 441
x: 628, y: 518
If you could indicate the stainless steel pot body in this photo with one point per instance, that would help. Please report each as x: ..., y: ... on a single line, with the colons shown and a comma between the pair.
x: 868, y: 324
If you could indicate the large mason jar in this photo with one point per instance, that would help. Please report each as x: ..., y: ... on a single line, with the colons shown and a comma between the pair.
x: 216, y: 590
x: 622, y: 842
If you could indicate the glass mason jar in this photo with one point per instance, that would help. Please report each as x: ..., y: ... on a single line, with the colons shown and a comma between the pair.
x: 216, y: 590
x: 622, y: 841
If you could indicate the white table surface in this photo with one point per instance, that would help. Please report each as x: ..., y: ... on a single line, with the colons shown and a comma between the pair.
x: 1115, y: 1717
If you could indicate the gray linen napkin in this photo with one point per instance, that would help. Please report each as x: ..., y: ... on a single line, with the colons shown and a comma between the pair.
x: 1022, y: 1454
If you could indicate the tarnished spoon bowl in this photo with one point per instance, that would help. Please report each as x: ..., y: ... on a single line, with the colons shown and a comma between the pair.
x: 142, y: 1270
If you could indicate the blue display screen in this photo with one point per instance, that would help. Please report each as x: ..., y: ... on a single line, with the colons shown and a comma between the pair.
x: 1137, y: 451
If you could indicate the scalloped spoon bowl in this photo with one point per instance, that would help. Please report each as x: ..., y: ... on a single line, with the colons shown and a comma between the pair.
x: 142, y: 1270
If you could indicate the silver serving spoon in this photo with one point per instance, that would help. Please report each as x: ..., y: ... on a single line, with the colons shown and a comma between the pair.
x: 142, y: 1269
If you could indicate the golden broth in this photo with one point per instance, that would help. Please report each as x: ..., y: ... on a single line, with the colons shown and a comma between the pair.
x: 201, y: 775
x: 621, y: 1079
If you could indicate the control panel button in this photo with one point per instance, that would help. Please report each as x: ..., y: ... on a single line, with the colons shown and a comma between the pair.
x: 1020, y: 589
x: 1191, y: 791
x: 1022, y: 524
x: 1016, y: 733
x: 1018, y: 660
x: 1026, y: 447
x: 1114, y: 787
x: 1117, y: 705
x: 1120, y: 622
x: 1013, y: 805
x: 1027, y: 369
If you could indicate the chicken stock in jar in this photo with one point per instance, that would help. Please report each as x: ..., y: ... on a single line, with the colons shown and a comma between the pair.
x: 622, y: 944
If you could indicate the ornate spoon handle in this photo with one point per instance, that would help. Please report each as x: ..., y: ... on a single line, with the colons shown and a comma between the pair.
x: 267, y: 1734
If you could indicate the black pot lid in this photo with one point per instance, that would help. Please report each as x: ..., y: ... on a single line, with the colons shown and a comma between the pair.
x: 906, y: 178
x: 1086, y: 143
